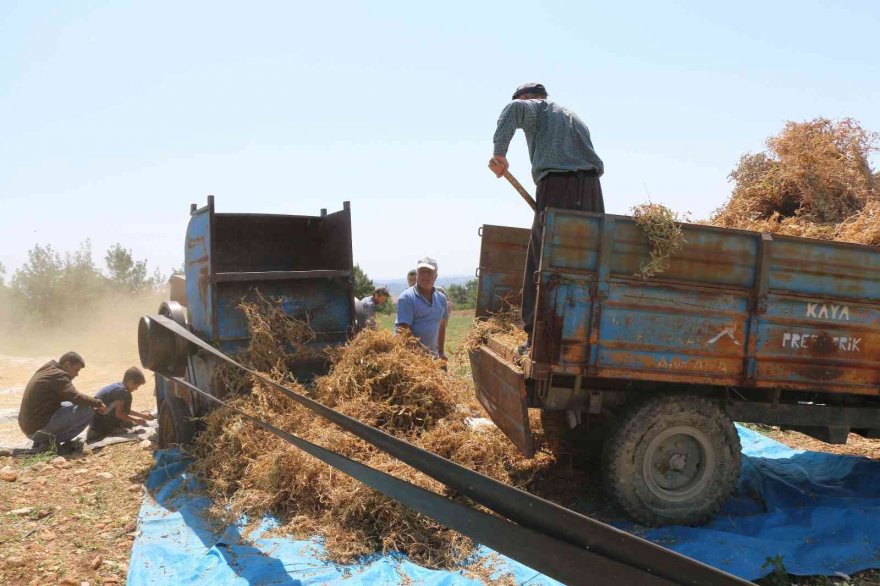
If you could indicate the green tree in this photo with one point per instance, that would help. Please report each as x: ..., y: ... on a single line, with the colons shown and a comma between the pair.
x: 38, y: 281
x: 2, y: 275
x: 128, y: 275
x: 48, y: 283
x: 363, y: 285
x: 463, y: 296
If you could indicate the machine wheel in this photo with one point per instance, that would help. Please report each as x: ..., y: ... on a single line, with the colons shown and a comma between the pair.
x: 176, y: 427
x: 672, y: 460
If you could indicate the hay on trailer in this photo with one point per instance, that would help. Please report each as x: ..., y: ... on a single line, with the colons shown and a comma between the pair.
x: 504, y: 326
x: 662, y: 226
x: 814, y: 180
x: 385, y: 381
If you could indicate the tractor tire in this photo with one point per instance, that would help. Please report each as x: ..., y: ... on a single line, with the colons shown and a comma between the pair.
x: 176, y: 426
x: 672, y: 460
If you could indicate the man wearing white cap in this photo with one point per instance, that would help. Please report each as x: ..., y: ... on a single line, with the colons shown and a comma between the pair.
x: 423, y: 310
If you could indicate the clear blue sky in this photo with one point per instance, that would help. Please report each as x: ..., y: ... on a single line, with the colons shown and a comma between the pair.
x: 114, y: 116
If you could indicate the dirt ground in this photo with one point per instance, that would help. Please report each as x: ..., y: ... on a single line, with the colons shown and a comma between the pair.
x: 70, y: 520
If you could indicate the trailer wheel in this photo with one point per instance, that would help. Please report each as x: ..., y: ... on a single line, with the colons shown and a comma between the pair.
x: 672, y: 460
x: 176, y: 427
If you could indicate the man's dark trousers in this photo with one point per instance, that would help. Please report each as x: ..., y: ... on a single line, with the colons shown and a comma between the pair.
x: 569, y: 191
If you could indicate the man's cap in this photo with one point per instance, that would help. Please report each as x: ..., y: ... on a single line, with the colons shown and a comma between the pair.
x: 529, y: 88
x: 428, y: 263
x: 382, y: 290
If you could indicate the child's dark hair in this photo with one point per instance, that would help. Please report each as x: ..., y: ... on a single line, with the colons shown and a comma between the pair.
x: 134, y: 375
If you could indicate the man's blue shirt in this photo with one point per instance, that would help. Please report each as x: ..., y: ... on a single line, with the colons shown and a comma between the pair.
x: 422, y: 317
x: 111, y: 393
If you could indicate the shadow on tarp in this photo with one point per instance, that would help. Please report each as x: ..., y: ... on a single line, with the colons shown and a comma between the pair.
x: 178, y: 543
x: 818, y: 512
x: 177, y: 515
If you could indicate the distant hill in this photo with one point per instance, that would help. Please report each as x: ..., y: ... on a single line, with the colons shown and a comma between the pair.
x: 396, y: 286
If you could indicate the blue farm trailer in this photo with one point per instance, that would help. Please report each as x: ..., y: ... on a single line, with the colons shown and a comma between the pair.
x: 302, y: 262
x: 651, y: 373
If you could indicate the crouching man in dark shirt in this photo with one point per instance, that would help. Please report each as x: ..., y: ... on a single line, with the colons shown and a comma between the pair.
x: 52, y: 411
x: 117, y: 398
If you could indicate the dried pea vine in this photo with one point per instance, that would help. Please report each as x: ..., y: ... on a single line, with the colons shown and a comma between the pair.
x: 665, y: 237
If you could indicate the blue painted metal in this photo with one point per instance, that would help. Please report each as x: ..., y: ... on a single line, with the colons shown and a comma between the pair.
x: 500, y: 276
x: 197, y: 268
x: 303, y: 262
x: 734, y: 308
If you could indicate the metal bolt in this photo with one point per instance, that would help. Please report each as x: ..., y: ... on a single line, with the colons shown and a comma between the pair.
x: 678, y: 461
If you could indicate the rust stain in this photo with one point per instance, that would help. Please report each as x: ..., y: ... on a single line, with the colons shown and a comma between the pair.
x: 203, y: 285
x: 572, y: 351
x: 195, y: 242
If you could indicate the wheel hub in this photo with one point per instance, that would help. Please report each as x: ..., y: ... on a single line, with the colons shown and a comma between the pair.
x: 678, y: 463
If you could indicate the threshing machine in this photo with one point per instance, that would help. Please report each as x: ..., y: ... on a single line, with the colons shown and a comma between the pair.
x: 303, y: 262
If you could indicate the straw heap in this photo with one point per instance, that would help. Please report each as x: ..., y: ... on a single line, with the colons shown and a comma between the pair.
x: 504, y: 326
x: 814, y: 180
x: 383, y: 381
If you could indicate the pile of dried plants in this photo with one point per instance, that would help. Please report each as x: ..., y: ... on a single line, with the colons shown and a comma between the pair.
x: 665, y: 237
x: 813, y: 180
x: 504, y: 326
x: 383, y: 381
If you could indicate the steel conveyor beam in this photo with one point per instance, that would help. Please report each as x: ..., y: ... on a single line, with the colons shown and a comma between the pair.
x: 523, y: 509
x: 555, y: 558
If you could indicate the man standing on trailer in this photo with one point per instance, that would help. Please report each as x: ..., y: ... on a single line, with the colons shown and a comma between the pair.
x: 565, y: 168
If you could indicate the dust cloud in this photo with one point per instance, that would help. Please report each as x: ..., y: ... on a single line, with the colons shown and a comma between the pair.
x: 104, y: 333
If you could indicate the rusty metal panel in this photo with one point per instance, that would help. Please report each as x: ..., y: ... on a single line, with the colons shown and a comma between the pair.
x: 502, y: 392
x: 824, y: 270
x: 694, y: 335
x: 502, y: 264
x: 710, y: 256
x: 197, y: 255
x: 571, y: 241
x: 809, y: 341
x: 562, y: 336
x: 734, y: 308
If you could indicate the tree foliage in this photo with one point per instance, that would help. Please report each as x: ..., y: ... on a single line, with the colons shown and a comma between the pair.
x: 463, y: 296
x: 50, y: 284
x: 127, y: 275
x: 363, y: 284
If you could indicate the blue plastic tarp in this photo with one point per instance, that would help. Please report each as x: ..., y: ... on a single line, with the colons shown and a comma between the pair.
x: 178, y: 544
x: 815, y: 512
